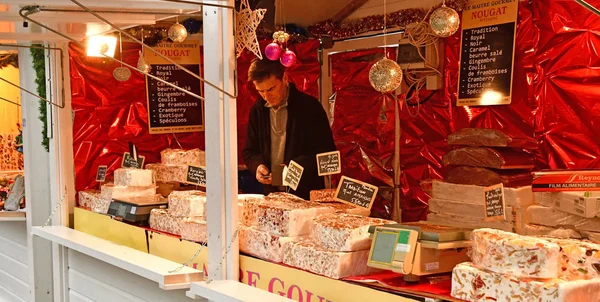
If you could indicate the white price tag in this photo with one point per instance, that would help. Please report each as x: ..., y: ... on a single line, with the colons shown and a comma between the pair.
x: 432, y: 266
x: 133, y: 210
x: 402, y: 247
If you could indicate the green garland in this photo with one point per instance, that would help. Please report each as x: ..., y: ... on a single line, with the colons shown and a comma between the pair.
x: 39, y: 65
x: 9, y: 60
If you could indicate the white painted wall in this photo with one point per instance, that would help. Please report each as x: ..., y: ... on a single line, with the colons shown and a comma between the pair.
x: 14, y: 271
x: 93, y: 280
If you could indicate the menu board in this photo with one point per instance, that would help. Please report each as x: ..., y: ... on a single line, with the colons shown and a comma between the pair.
x: 355, y: 192
x: 494, y: 203
x: 196, y: 175
x: 101, y: 173
x: 329, y: 163
x: 487, y: 52
x: 171, y: 110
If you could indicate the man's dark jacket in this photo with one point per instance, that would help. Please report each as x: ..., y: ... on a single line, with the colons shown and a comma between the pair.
x: 308, y: 134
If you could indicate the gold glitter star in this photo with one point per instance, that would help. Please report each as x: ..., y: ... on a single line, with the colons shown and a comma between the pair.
x: 247, y: 23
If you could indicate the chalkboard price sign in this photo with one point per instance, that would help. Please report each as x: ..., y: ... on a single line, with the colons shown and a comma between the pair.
x: 355, y: 192
x: 329, y: 163
x: 294, y: 173
x: 101, y: 173
x: 129, y: 161
x: 196, y: 175
x: 487, y: 53
x: 494, y: 203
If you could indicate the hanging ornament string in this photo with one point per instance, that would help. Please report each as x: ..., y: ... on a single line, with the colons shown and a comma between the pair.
x: 122, y: 74
x: 385, y: 29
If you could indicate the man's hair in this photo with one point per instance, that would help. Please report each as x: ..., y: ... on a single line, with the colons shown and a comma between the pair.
x: 260, y: 70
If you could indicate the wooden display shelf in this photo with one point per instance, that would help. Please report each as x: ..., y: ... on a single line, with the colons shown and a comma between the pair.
x: 12, y: 216
x: 142, y: 264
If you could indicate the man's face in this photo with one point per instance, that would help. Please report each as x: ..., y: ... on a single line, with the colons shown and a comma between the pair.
x: 272, y: 90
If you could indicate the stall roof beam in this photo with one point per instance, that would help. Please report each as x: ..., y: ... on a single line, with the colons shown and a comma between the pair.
x: 348, y: 10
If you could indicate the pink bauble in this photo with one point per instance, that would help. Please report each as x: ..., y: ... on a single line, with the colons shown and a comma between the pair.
x: 273, y: 51
x: 288, y: 58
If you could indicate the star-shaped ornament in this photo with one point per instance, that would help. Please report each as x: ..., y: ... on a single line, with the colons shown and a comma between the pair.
x: 247, y: 23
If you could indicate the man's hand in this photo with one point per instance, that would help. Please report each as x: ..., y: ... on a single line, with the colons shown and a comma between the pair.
x: 263, y: 175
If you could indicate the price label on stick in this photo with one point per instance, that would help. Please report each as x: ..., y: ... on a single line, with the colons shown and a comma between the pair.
x: 101, y: 173
x: 130, y: 162
x: 356, y: 192
x: 196, y: 175
x: 293, y: 175
x: 329, y: 163
x: 494, y: 203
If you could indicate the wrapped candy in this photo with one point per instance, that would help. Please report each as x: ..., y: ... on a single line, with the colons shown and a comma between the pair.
x: 187, y: 203
x: 521, y: 197
x: 183, y: 157
x: 325, y: 195
x: 194, y: 229
x: 168, y: 173
x: 134, y: 177
x: 161, y: 220
x: 86, y: 198
x: 553, y: 218
x: 282, y: 215
x: 343, y: 232
x: 307, y: 255
x: 472, y: 283
x: 263, y: 244
x: 515, y: 255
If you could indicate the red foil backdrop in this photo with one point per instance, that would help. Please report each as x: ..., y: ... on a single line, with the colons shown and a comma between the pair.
x: 555, y: 91
x: 108, y: 113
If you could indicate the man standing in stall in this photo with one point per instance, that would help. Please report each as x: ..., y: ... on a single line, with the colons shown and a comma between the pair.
x: 284, y: 125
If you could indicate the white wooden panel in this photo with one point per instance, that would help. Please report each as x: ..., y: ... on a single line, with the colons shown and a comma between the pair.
x: 6, y: 295
x: 15, y: 231
x: 100, y: 281
x: 14, y: 268
x: 97, y: 290
x: 75, y: 296
x: 13, y: 284
x: 13, y: 249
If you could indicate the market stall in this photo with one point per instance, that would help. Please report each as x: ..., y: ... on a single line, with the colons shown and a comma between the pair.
x: 443, y: 116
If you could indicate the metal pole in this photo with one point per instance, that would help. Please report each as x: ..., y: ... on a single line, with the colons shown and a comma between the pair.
x: 588, y: 7
x: 9, y: 101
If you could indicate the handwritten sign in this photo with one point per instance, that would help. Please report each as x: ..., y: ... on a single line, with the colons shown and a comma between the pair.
x: 355, y: 192
x: 101, y: 173
x: 293, y: 175
x: 487, y: 52
x: 129, y: 162
x: 329, y: 163
x: 494, y: 203
x: 171, y: 110
x: 196, y: 175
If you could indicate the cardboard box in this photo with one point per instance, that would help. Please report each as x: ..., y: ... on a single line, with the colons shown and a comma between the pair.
x: 566, y: 180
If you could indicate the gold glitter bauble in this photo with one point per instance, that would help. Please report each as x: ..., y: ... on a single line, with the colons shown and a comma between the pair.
x: 281, y: 39
x: 143, y: 64
x: 276, y: 35
x: 122, y: 74
x: 177, y: 33
x: 385, y: 75
x: 444, y: 21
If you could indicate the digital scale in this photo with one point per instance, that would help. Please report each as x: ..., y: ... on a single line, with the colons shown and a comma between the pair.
x: 132, y: 211
x: 417, y: 249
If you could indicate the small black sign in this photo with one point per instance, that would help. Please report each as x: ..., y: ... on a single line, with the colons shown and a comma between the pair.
x: 356, y: 192
x: 329, y: 163
x: 196, y: 175
x: 101, y: 173
x: 494, y: 203
x: 129, y: 162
